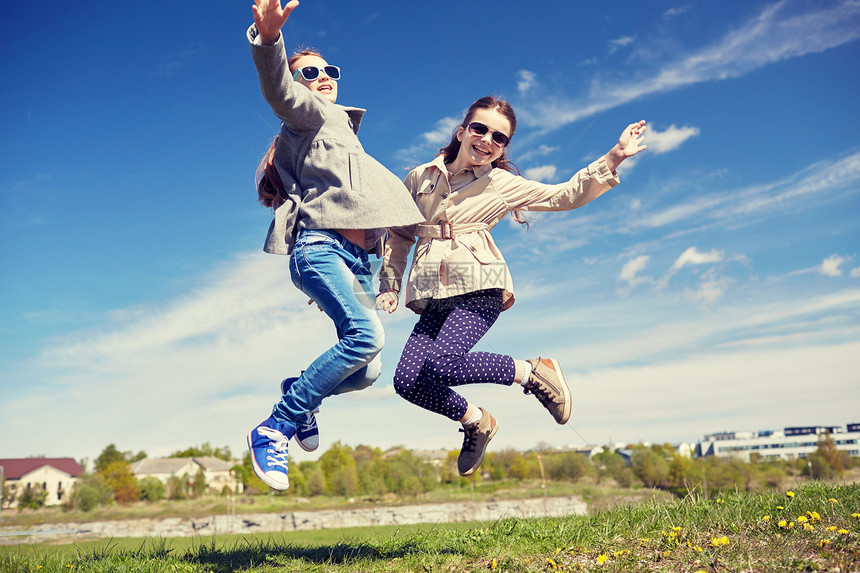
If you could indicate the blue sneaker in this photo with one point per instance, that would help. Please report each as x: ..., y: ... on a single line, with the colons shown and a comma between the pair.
x: 269, y: 444
x: 307, y: 431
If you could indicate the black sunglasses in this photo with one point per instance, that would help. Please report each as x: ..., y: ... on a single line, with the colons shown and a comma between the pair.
x: 310, y: 73
x: 478, y: 129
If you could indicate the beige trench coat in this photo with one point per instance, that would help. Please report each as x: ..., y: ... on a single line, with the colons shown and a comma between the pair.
x: 462, y: 258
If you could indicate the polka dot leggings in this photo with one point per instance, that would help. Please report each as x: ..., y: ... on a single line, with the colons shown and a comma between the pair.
x: 437, y: 353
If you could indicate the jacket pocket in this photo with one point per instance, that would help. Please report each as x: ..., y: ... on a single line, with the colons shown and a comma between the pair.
x: 475, y: 244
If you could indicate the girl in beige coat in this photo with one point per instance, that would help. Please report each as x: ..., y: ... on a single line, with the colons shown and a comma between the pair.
x: 459, y: 282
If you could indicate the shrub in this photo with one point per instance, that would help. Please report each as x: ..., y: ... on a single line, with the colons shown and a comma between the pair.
x: 152, y: 489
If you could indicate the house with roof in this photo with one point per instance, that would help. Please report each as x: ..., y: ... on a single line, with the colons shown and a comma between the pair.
x: 216, y: 472
x: 56, y: 476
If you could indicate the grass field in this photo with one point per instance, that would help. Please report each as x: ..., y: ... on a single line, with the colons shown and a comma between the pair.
x: 813, y: 528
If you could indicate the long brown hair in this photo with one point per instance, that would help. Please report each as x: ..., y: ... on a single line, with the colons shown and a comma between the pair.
x: 270, y: 189
x: 450, y: 151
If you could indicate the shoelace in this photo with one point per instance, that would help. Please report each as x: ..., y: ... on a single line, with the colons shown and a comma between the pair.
x: 277, y: 452
x: 540, y: 392
x: 470, y: 438
x: 310, y: 422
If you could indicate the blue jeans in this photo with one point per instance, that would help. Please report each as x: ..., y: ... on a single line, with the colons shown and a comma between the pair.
x: 336, y: 275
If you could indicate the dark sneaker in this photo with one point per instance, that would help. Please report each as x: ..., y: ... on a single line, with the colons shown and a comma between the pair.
x: 475, y: 441
x: 547, y: 384
x: 269, y: 444
x: 307, y: 431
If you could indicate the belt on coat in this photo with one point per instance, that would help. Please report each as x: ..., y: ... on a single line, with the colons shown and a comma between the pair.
x: 446, y: 230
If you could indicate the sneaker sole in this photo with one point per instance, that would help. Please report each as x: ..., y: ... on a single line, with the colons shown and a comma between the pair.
x: 493, y: 431
x: 568, y: 402
x: 305, y: 447
x: 278, y: 485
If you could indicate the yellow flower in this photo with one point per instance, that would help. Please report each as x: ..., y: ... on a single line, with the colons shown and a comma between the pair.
x: 667, y: 553
x: 823, y: 542
x: 766, y: 518
x: 621, y: 552
x: 601, y: 559
x: 780, y: 507
x: 802, y: 519
x: 782, y: 523
x: 697, y: 548
x: 831, y: 500
x: 718, y: 541
x: 842, y: 532
x: 814, y: 515
x: 552, y: 563
x: 790, y: 524
x: 831, y: 528
x: 807, y: 527
x: 855, y: 515
x: 789, y: 493
x: 676, y: 529
x: 493, y: 563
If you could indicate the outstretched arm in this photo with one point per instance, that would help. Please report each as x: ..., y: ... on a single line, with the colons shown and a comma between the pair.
x: 270, y: 18
x: 629, y: 144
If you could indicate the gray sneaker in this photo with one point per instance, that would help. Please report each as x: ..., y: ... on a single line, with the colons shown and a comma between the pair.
x: 475, y: 441
x: 547, y: 384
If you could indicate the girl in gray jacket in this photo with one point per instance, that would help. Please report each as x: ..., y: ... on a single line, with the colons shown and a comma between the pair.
x: 332, y: 205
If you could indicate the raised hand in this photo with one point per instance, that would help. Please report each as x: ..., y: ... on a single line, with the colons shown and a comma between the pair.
x: 629, y: 144
x: 270, y: 18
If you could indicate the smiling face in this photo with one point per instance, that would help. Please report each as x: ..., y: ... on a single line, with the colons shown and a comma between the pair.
x: 323, y: 85
x: 476, y: 150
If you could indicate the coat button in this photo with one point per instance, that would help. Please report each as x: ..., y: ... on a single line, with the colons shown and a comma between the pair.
x: 444, y: 195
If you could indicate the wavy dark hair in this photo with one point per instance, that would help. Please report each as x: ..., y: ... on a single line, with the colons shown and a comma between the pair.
x: 450, y: 151
x: 270, y: 189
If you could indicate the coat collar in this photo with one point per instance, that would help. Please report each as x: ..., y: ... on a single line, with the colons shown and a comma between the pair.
x: 479, y: 171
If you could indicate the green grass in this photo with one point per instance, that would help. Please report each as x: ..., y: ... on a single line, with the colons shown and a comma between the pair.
x: 817, y: 529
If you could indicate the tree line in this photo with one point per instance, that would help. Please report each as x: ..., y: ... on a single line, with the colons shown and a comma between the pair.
x: 367, y: 471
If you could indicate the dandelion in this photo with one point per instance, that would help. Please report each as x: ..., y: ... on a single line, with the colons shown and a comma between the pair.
x: 697, y: 548
x: 823, y: 542
x: 667, y: 553
x: 621, y: 552
x: 766, y: 518
x: 719, y: 541
x: 782, y: 524
x: 780, y: 507
x: 807, y: 527
x: 831, y: 528
x: 842, y: 532
x: 790, y: 524
x: 802, y: 519
x: 789, y: 493
x: 493, y: 563
x: 601, y: 559
x: 552, y: 563
x: 834, y: 501
x: 855, y: 515
x: 814, y: 515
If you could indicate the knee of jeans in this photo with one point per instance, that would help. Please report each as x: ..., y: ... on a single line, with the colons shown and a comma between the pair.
x: 367, y: 340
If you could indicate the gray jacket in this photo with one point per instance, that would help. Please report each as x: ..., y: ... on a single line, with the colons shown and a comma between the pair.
x: 331, y: 182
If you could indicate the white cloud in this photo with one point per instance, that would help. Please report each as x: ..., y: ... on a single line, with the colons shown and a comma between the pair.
x: 855, y: 273
x: 772, y: 36
x: 691, y: 257
x: 526, y: 81
x: 830, y: 266
x: 538, y: 151
x: 630, y: 271
x: 430, y: 141
x: 618, y: 43
x: 664, y: 141
x: 545, y: 173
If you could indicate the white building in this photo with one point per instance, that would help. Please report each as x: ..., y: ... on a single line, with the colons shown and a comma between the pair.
x: 789, y: 444
x: 56, y: 476
x: 216, y: 472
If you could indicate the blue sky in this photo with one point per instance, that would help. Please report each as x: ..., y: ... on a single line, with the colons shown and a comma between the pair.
x: 717, y: 288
